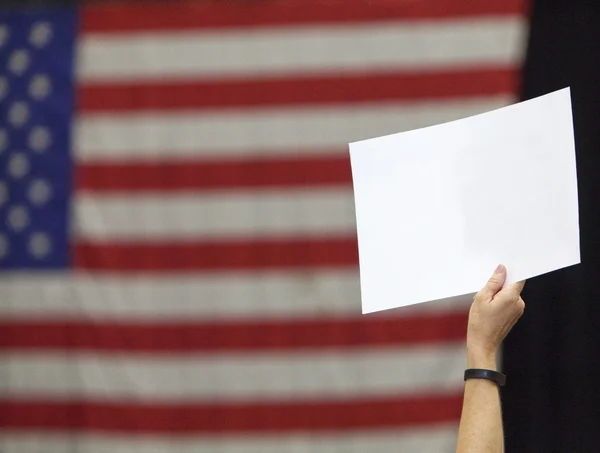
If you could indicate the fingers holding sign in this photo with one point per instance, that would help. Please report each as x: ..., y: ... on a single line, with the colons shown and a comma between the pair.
x: 495, y: 310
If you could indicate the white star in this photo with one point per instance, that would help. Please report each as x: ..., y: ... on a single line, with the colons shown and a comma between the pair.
x: 18, y: 218
x: 39, y: 138
x: 19, y: 61
x: 40, y: 86
x: 39, y: 192
x: 18, y: 113
x: 3, y: 246
x: 18, y: 165
x: 39, y: 245
x: 40, y: 34
x: 3, y: 87
x: 3, y: 193
x: 4, y: 34
x: 3, y: 140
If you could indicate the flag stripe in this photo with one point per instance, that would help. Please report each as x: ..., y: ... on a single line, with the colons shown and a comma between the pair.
x: 254, y: 254
x: 292, y: 51
x: 155, y: 136
x: 199, y: 216
x: 182, y: 16
x: 209, y: 297
x: 308, y: 90
x: 225, y: 378
x: 322, y: 169
x: 233, y: 336
x: 211, y: 302
x: 130, y: 417
x: 437, y: 438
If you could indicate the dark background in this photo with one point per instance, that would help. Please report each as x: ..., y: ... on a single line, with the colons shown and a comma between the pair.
x: 552, y: 358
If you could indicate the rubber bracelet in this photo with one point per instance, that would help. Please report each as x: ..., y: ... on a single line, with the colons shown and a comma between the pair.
x: 477, y: 373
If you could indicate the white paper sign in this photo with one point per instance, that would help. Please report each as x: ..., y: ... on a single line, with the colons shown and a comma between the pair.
x: 438, y: 208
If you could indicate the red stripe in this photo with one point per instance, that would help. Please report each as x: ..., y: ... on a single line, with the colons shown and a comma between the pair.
x: 323, y: 89
x: 235, y: 336
x: 126, y: 17
x: 135, y: 417
x: 234, y: 255
x: 327, y: 170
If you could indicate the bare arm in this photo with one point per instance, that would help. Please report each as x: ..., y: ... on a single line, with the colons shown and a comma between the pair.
x: 481, y: 422
x: 494, y: 312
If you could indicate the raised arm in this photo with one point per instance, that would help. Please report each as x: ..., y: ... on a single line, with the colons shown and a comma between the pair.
x: 494, y: 311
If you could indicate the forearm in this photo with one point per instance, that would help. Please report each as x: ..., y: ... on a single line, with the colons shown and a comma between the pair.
x: 481, y: 422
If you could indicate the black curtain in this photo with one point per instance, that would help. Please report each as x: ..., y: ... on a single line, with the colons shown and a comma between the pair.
x: 552, y: 357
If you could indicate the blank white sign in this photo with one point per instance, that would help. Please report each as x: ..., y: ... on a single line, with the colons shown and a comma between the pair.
x: 438, y: 208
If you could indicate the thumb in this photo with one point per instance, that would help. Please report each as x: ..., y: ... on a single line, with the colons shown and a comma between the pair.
x: 495, y: 282
x: 517, y: 287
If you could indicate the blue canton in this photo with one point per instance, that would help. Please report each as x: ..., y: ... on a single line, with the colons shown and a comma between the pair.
x: 36, y: 115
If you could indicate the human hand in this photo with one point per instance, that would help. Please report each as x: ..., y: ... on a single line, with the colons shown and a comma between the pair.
x: 494, y: 312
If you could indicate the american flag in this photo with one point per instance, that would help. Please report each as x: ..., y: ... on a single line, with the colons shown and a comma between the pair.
x: 177, y: 245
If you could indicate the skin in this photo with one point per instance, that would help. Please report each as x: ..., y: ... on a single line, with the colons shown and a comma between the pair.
x: 495, y: 310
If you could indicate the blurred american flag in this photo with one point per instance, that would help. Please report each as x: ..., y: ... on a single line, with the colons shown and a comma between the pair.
x: 178, y: 235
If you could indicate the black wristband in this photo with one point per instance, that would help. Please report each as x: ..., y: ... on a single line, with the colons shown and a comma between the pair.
x: 477, y: 373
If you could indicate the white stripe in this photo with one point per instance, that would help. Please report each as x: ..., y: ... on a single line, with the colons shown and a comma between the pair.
x: 265, y: 213
x: 209, y: 296
x: 435, y: 439
x: 143, y: 136
x: 279, y: 51
x: 206, y: 378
